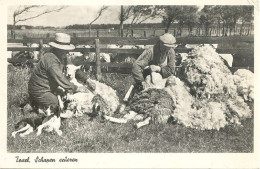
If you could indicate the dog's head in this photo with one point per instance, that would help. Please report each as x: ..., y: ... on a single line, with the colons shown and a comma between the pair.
x: 20, y: 124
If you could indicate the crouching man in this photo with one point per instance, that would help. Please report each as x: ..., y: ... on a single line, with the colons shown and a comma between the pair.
x: 48, y: 74
x: 159, y: 58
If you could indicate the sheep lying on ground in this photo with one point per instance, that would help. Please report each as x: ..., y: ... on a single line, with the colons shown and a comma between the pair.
x: 104, y: 98
x: 152, y: 104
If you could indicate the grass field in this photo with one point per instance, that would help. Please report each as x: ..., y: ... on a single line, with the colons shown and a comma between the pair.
x: 82, y: 135
x: 40, y: 33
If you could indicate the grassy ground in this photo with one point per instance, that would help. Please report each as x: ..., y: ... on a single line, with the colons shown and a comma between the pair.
x: 82, y: 135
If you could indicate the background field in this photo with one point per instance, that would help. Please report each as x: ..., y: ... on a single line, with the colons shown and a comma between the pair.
x: 109, y: 32
x: 82, y: 135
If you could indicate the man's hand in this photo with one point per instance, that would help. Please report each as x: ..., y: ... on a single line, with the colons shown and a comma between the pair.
x: 138, y: 87
x: 155, y: 68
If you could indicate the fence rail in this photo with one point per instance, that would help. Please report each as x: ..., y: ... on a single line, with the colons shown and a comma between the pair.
x: 99, y: 45
x: 140, y: 41
x: 132, y: 51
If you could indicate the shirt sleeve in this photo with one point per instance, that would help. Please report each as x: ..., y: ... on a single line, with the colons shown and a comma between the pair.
x: 138, y: 66
x: 56, y: 73
x: 169, y: 69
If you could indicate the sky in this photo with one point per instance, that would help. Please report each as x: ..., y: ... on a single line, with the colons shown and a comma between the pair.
x: 72, y: 15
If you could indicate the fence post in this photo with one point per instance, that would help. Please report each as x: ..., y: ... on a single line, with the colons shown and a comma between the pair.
x: 97, y: 33
x: 132, y: 33
x: 154, y: 32
x: 145, y: 34
x: 98, y: 73
x: 24, y: 37
x: 40, y: 49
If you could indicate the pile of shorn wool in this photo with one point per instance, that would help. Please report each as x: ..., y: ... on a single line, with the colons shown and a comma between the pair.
x: 214, y: 100
x: 204, y: 96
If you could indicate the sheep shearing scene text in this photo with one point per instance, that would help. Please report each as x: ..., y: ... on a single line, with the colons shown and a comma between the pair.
x: 148, y: 79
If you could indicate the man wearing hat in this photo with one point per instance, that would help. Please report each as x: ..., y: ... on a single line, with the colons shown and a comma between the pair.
x: 160, y: 58
x: 48, y: 74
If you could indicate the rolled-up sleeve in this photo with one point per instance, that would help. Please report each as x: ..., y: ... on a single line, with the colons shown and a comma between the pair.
x: 169, y: 69
x: 56, y: 73
x: 138, y: 66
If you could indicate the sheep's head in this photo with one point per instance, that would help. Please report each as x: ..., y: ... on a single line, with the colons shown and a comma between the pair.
x: 71, y: 70
x: 99, y: 106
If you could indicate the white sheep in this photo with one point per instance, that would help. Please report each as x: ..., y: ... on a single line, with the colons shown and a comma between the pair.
x: 104, y: 57
x: 81, y: 103
x: 228, y: 58
x: 244, y: 80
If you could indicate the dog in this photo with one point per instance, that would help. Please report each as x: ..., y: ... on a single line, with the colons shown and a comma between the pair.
x: 28, y: 125
x: 50, y: 122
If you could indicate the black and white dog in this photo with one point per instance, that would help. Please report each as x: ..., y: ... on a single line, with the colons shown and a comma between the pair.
x: 51, y: 122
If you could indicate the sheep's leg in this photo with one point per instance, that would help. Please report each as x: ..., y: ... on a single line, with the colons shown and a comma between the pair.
x: 115, y: 120
x: 30, y: 130
x: 125, y: 119
x: 143, y: 123
x: 130, y: 115
x: 21, y: 130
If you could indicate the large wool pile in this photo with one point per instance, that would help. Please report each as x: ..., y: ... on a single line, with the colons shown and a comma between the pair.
x: 214, y: 102
x: 204, y: 97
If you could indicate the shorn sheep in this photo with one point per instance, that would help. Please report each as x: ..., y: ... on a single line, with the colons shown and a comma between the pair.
x: 104, y: 98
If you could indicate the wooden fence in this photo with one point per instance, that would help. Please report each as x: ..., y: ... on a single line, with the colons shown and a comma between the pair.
x: 100, y: 46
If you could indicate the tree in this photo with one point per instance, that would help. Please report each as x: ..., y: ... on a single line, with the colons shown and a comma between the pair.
x: 125, y: 13
x: 140, y: 13
x: 99, y: 13
x: 247, y: 15
x: 169, y: 15
x: 34, y: 11
x: 189, y: 17
x: 207, y: 18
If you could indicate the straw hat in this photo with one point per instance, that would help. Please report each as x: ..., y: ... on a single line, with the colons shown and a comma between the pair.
x: 168, y: 40
x: 62, y: 41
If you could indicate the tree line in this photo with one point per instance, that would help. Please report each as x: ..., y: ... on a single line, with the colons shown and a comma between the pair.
x: 222, y: 18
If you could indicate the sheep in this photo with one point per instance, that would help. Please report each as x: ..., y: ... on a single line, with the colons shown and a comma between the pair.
x: 104, y: 98
x: 244, y: 80
x: 104, y: 57
x: 228, y: 58
x: 152, y: 104
x: 118, y: 46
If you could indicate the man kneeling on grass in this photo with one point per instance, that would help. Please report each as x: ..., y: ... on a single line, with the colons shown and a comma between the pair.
x: 48, y: 75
